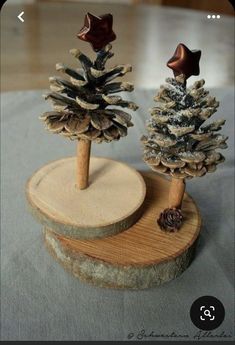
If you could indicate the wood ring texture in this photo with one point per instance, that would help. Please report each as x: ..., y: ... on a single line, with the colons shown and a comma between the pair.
x: 111, y: 203
x: 142, y: 256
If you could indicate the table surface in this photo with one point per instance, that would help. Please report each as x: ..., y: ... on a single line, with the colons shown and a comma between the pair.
x: 40, y: 301
x: 146, y: 38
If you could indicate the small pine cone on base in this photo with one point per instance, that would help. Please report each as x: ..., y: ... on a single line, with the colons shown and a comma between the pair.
x: 170, y: 220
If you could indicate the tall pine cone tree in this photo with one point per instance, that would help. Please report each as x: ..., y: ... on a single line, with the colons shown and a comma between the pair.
x: 85, y: 104
x: 178, y: 142
x: 84, y: 107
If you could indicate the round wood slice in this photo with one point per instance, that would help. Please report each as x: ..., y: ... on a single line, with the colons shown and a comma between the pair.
x: 111, y: 203
x: 140, y: 257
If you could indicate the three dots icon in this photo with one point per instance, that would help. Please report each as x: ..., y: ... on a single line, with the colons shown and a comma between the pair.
x: 213, y: 16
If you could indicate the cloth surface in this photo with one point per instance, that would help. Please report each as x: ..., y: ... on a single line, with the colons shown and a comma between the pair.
x: 41, y: 301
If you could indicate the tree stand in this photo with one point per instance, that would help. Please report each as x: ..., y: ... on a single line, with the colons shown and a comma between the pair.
x: 140, y: 257
x: 110, y: 204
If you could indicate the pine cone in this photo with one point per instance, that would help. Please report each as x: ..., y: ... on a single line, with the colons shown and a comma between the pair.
x: 177, y: 143
x: 170, y: 219
x: 81, y: 104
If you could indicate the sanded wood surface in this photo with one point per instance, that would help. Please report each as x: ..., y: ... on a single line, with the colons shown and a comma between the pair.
x: 111, y: 203
x: 139, y: 257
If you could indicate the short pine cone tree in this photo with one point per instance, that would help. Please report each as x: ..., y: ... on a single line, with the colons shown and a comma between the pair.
x: 178, y: 142
x: 82, y: 103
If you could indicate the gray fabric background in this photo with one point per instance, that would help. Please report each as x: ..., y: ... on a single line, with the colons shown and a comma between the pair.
x: 40, y: 301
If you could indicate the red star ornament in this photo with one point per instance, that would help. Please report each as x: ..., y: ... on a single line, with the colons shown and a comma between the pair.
x: 97, y: 30
x: 185, y: 61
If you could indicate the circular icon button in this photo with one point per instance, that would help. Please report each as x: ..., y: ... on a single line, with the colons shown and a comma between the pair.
x: 207, y: 313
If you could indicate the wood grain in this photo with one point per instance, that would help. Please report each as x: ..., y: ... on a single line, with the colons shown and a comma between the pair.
x: 111, y: 204
x: 140, y: 257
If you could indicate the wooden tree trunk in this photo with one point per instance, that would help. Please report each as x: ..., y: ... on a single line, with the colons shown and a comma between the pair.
x: 83, y: 162
x: 176, y: 192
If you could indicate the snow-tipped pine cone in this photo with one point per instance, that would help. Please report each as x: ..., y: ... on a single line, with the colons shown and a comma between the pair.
x: 178, y: 144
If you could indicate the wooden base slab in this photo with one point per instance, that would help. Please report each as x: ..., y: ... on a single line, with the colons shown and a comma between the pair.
x: 140, y: 257
x: 111, y: 203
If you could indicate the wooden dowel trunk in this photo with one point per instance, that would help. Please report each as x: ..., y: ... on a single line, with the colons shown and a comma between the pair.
x: 83, y: 162
x: 176, y: 192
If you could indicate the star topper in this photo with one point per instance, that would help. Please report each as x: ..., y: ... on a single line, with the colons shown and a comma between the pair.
x: 185, y: 61
x: 97, y: 30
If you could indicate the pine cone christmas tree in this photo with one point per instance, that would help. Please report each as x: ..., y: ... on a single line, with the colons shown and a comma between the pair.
x: 80, y: 104
x: 179, y: 143
x: 85, y: 104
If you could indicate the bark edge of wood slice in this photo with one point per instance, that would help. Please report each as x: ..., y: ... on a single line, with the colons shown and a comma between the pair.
x: 142, y: 256
x: 111, y: 204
